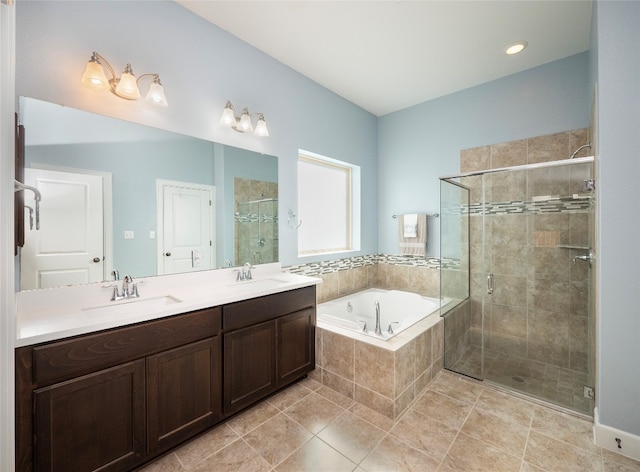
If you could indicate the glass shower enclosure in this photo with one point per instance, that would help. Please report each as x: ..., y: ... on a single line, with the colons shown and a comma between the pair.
x: 517, y: 278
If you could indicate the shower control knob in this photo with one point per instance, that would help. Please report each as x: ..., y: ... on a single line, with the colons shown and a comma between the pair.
x: 168, y: 254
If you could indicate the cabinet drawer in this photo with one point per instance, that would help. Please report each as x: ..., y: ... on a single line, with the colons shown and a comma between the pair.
x: 256, y: 310
x: 72, y: 357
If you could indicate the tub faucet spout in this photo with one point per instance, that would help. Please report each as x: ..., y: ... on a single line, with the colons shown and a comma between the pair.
x: 377, y: 330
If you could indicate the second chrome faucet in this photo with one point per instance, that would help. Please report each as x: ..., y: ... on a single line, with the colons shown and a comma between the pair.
x: 129, y: 289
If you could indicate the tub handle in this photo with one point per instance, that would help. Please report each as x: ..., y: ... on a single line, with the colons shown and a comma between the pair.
x: 364, y: 325
x: 390, y: 330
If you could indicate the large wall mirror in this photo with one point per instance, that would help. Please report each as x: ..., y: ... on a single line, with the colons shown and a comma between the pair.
x: 121, y: 198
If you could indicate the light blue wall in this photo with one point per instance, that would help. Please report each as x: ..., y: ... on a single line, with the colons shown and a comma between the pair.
x: 418, y: 145
x: 134, y: 185
x: 201, y: 67
x: 618, y: 65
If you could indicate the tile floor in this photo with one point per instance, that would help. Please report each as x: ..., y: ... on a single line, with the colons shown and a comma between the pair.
x: 548, y: 382
x: 455, y: 425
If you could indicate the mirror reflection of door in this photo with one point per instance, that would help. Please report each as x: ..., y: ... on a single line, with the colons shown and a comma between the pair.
x: 69, y: 247
x: 185, y: 227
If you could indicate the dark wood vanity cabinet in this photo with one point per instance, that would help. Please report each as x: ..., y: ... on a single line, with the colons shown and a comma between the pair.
x: 268, y: 343
x: 115, y: 399
x: 111, y: 400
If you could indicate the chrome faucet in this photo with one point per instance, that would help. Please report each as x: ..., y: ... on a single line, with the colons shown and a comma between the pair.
x: 129, y: 289
x: 245, y: 273
x: 377, y: 330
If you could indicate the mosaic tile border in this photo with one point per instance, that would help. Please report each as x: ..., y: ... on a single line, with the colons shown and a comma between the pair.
x: 554, y: 205
x: 335, y: 265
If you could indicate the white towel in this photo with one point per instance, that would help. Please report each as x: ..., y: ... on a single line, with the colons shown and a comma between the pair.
x: 414, y: 245
x: 410, y: 225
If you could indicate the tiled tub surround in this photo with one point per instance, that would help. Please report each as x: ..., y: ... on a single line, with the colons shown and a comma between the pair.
x: 350, y: 275
x: 385, y: 376
x: 537, y: 323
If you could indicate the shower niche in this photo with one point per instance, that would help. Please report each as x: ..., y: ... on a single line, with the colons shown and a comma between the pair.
x: 255, y: 221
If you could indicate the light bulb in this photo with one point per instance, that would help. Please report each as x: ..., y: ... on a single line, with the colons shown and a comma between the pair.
x: 245, y: 121
x: 127, y: 86
x: 94, y: 74
x: 155, y: 94
x: 261, y: 127
x: 228, y: 118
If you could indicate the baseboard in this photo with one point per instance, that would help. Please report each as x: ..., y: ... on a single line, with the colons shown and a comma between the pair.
x: 615, y: 440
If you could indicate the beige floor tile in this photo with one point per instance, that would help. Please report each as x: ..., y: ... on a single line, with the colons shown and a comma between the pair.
x: 289, y: 396
x: 611, y: 460
x: 168, y: 463
x: 277, y: 438
x: 311, y: 384
x: 314, y: 412
x: 316, y: 456
x: 505, y: 435
x: 253, y: 418
x: 553, y: 455
x: 377, y: 419
x: 351, y: 436
x: 506, y: 406
x: 392, y: 455
x: 424, y: 434
x: 526, y: 467
x: 456, y: 387
x: 237, y: 456
x: 335, y: 397
x: 470, y: 454
x: 563, y: 427
x: 204, y: 446
x: 445, y: 409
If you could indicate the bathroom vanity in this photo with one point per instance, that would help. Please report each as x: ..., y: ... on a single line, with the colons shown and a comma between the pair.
x: 114, y: 398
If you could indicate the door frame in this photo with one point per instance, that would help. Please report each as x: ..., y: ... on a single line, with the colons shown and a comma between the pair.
x: 160, y: 184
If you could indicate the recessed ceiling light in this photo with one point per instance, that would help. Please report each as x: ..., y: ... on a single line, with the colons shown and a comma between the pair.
x: 515, y: 48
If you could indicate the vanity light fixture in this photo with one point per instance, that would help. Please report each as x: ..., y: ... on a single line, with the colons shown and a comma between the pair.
x: 243, y: 123
x: 515, y: 48
x: 125, y: 86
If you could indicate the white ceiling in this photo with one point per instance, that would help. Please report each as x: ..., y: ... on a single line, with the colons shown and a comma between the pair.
x: 387, y: 55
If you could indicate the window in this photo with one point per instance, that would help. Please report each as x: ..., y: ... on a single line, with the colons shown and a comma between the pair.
x: 328, y: 205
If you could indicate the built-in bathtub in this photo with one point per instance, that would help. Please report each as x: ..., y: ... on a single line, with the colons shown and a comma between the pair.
x: 383, y: 372
x: 398, y: 311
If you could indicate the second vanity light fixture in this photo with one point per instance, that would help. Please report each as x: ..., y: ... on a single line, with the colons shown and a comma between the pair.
x: 243, y: 123
x: 125, y: 86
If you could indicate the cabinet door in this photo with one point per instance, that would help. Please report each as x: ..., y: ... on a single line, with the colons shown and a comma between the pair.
x: 249, y: 365
x: 296, y: 345
x: 92, y: 422
x: 183, y: 392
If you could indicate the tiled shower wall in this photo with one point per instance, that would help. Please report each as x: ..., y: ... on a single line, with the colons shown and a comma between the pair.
x: 539, y: 308
x: 255, y: 221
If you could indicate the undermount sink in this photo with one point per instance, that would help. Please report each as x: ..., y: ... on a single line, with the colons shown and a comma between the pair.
x: 133, y: 306
x: 258, y: 284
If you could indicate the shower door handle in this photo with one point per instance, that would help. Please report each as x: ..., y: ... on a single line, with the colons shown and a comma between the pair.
x: 490, y: 283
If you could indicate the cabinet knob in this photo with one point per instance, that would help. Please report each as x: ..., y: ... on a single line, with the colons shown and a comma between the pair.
x: 96, y: 259
x: 168, y: 254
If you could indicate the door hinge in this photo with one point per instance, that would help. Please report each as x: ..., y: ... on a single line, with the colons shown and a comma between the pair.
x: 209, y: 202
x: 210, y: 243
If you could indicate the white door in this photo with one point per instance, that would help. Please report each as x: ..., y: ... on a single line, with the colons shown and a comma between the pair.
x: 185, y: 239
x: 69, y: 247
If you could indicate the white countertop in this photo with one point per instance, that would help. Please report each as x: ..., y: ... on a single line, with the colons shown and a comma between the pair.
x: 50, y: 314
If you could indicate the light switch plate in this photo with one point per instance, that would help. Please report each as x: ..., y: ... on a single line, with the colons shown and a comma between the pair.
x: 128, y: 235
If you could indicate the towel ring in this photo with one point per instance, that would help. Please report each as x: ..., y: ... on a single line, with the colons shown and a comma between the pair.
x: 293, y: 224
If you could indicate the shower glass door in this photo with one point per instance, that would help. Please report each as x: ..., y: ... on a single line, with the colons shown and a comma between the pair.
x: 532, y: 327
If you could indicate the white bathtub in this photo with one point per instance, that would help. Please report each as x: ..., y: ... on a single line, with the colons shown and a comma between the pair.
x: 398, y: 309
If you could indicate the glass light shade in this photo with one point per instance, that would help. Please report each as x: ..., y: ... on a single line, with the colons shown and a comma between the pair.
x: 228, y: 118
x: 155, y: 94
x: 261, y: 127
x: 245, y: 122
x: 94, y: 75
x: 516, y: 48
x: 127, y: 86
